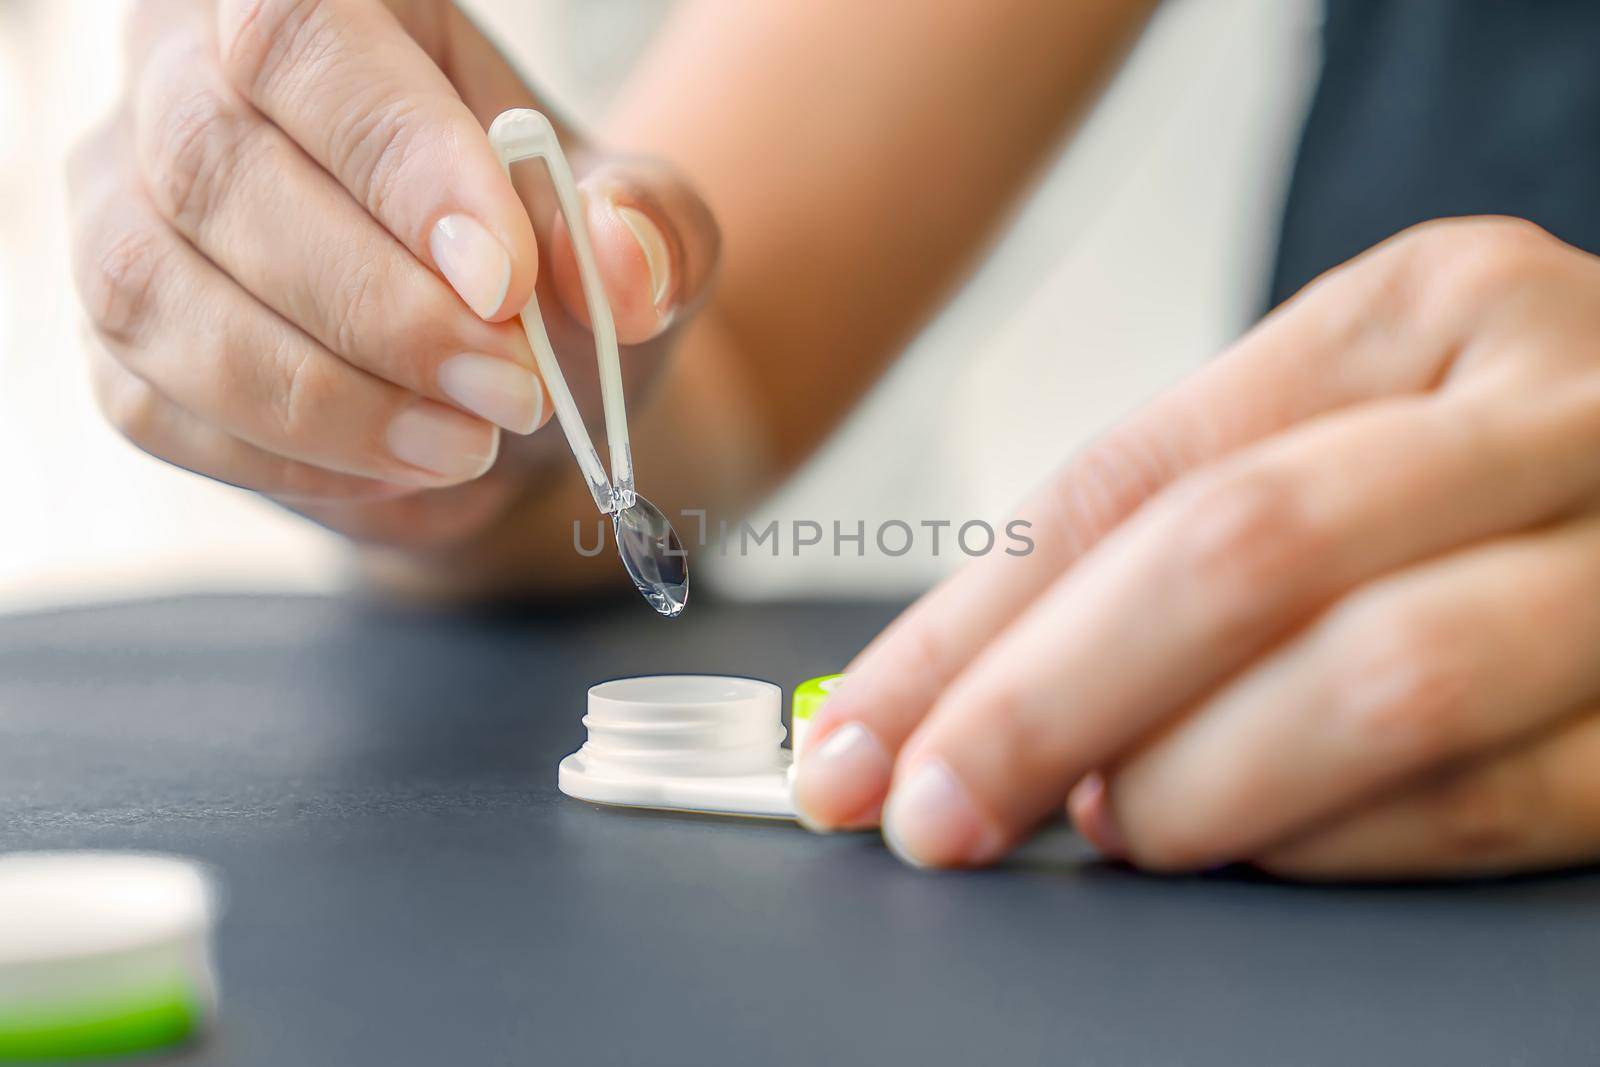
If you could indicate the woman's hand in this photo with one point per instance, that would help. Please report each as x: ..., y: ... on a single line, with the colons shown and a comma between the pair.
x: 303, y: 260
x: 1330, y: 606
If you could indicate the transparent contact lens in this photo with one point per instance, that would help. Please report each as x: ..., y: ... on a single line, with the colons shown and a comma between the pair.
x: 653, y: 555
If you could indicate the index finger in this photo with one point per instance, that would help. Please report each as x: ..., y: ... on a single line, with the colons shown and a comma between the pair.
x: 346, y: 82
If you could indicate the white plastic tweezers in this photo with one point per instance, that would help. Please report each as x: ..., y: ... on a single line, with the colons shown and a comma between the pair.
x: 523, y: 134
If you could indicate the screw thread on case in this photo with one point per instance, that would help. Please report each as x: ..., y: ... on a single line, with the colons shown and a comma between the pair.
x: 684, y: 725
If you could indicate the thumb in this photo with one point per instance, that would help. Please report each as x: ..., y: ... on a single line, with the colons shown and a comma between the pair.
x: 655, y: 243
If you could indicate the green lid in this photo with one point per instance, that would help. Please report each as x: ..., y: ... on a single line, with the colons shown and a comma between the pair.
x: 103, y: 954
x: 158, y: 1018
x: 810, y: 695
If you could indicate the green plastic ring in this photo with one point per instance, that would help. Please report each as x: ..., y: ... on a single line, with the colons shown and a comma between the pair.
x: 811, y: 695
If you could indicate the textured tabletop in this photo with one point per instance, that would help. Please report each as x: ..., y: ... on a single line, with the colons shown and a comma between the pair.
x: 407, y: 887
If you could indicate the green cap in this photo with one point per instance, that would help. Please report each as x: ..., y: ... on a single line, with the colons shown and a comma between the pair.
x: 810, y: 695
x: 156, y: 1018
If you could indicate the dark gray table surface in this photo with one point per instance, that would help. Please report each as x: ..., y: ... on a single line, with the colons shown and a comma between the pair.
x: 408, y: 887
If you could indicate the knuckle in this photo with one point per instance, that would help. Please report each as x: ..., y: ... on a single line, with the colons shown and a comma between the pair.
x: 262, y: 39
x: 1239, y: 537
x: 361, y: 288
x: 1405, y: 689
x: 921, y: 650
x: 190, y: 150
x: 1467, y: 263
x: 1002, y: 707
x: 377, y: 147
x: 1102, y: 484
x: 381, y: 312
x: 117, y: 275
x: 1024, y: 730
x: 298, y: 392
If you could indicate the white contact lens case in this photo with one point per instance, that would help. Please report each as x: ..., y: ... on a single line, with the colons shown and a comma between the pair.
x: 685, y: 742
x: 103, y: 953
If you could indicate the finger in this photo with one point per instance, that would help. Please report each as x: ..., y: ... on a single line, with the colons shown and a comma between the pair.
x: 164, y: 430
x: 176, y: 321
x: 1196, y: 585
x: 655, y: 243
x: 252, y: 202
x: 1463, y: 654
x: 421, y: 522
x: 345, y: 81
x: 1348, y: 339
x: 1536, y: 807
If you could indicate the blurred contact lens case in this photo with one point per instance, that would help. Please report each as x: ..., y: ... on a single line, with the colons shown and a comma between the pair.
x: 103, y: 954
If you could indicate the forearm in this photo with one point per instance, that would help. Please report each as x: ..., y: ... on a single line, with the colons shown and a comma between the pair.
x: 858, y: 158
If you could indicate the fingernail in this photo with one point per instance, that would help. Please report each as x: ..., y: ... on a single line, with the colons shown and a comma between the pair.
x: 931, y: 821
x: 1090, y: 805
x: 473, y: 262
x: 656, y: 254
x: 840, y: 777
x: 442, y: 440
x: 496, y: 389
